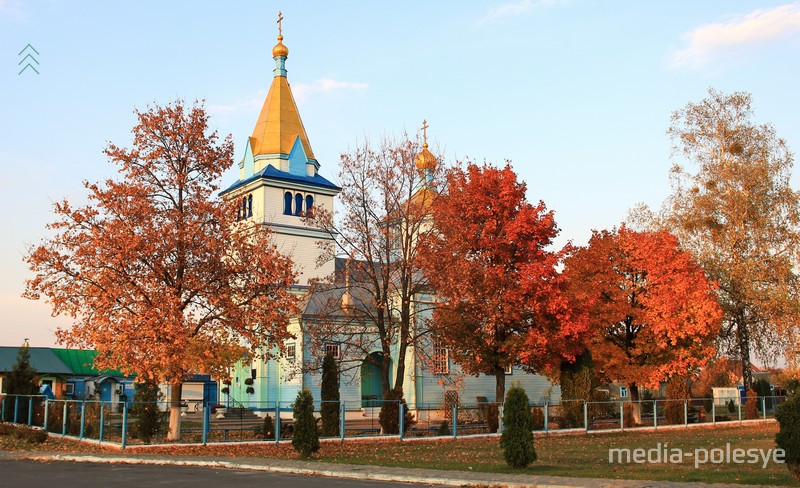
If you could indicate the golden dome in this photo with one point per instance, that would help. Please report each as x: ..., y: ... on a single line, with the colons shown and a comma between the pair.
x: 280, y: 49
x: 426, y: 160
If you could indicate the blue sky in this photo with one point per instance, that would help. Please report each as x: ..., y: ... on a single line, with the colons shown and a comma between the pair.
x: 577, y: 94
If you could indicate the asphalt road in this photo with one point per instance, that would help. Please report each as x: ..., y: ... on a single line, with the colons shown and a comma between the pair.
x: 34, y: 474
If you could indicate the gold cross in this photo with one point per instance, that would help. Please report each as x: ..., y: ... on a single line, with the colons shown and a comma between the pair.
x: 280, y: 19
x: 425, y: 131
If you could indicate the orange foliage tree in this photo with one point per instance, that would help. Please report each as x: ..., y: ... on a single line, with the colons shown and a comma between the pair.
x: 156, y: 273
x: 652, y: 312
x: 501, y: 300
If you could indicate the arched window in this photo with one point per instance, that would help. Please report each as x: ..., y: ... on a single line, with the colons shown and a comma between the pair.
x: 298, y: 204
x: 249, y: 205
x: 287, y: 203
x: 244, y: 207
x: 309, y: 204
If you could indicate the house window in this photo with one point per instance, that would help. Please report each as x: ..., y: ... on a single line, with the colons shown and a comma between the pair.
x: 298, y: 204
x: 69, y: 389
x: 623, y: 392
x: 309, y: 204
x: 509, y: 369
x: 287, y: 203
x: 332, y: 349
x: 441, y: 359
x: 290, y: 351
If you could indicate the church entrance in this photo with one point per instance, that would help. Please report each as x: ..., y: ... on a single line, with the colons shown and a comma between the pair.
x: 371, y: 390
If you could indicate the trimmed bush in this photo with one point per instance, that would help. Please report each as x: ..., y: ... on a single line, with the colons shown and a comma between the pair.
x: 389, y: 416
x: 305, y: 438
x: 731, y: 406
x: 517, y: 438
x: 444, y: 429
x: 268, y: 428
x: 752, y: 405
x: 537, y: 414
x: 330, y: 396
x: 788, y: 437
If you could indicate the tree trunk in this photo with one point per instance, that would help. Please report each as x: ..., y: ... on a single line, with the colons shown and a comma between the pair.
x: 500, y: 388
x: 637, y: 407
x: 743, y: 338
x: 175, y: 391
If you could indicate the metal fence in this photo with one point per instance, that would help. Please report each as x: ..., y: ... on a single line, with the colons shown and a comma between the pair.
x: 129, y: 424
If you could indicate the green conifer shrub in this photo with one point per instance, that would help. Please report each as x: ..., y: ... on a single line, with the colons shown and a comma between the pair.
x: 389, y: 416
x: 150, y: 421
x: 330, y: 396
x: 305, y: 438
x: 21, y: 381
x: 788, y: 436
x: 517, y: 438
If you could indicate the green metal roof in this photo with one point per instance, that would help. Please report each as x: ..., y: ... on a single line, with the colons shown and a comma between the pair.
x: 81, y: 362
x: 43, y: 360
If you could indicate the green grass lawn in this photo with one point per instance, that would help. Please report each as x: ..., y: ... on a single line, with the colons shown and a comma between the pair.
x: 586, y: 455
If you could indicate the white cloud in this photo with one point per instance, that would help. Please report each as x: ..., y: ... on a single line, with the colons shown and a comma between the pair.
x: 252, y: 104
x: 519, y: 7
x: 738, y: 34
x: 302, y: 91
x: 10, y: 9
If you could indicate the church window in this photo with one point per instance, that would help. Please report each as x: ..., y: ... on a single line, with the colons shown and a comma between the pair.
x: 244, y: 207
x: 298, y: 204
x: 332, y: 349
x: 309, y: 204
x: 441, y: 359
x: 287, y: 203
x: 249, y: 205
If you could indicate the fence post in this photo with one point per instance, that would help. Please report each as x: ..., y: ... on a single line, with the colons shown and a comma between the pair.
x: 124, y: 425
x: 401, y: 413
x: 740, y: 408
x: 102, y: 421
x: 3, y: 409
x: 546, y: 416
x: 277, y: 423
x: 46, y: 412
x: 685, y: 412
x: 586, y: 415
x: 454, y: 421
x: 30, y: 410
x: 83, y: 418
x: 16, y: 408
x: 713, y: 411
x: 621, y: 415
x: 764, y: 408
x: 655, y: 414
x: 341, y: 421
x: 500, y: 410
x: 64, y: 419
x: 205, y: 423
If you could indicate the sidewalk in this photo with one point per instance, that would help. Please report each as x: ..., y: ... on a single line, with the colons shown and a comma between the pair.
x: 360, y: 472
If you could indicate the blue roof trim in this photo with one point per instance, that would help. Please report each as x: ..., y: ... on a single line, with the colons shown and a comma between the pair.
x: 269, y: 172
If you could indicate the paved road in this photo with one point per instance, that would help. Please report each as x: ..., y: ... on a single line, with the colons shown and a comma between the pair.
x: 33, y: 474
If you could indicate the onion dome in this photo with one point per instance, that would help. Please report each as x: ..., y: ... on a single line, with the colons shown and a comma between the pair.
x: 280, y: 49
x: 425, y: 160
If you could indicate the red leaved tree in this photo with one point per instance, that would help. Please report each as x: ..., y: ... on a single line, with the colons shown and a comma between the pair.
x: 652, y: 312
x: 155, y: 271
x: 502, y: 302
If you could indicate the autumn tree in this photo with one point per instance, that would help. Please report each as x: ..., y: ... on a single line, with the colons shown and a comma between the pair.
x: 373, y: 301
x: 501, y: 301
x: 652, y: 312
x: 739, y: 217
x: 155, y: 272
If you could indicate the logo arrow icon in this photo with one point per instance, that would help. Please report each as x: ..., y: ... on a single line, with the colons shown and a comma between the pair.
x: 29, y: 58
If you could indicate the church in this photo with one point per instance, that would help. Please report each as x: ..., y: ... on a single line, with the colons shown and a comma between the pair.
x: 278, y: 183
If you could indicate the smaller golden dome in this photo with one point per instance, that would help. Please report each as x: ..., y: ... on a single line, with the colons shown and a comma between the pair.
x: 280, y: 49
x: 426, y: 160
